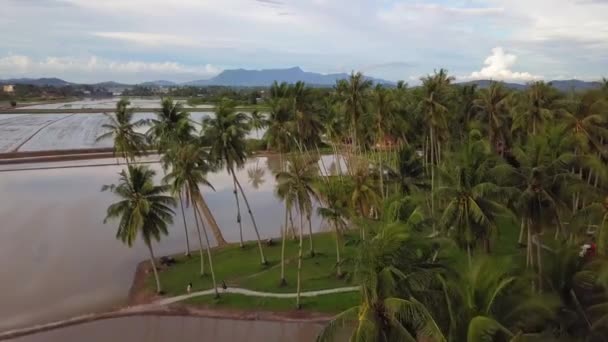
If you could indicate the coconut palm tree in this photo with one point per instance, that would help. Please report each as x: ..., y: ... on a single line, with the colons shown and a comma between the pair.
x: 365, y: 196
x: 143, y: 210
x: 170, y: 127
x: 543, y: 180
x: 258, y: 122
x: 226, y: 132
x: 585, y: 118
x: 492, y: 108
x: 295, y: 186
x: 472, y: 198
x: 537, y: 108
x: 489, y: 301
x: 188, y: 172
x: 384, y: 117
x: 434, y: 108
x: 127, y: 142
x: 354, y: 94
x: 335, y: 211
x: 409, y: 171
x: 384, y: 313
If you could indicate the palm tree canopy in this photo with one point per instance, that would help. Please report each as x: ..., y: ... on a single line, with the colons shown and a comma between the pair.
x: 226, y: 133
x: 143, y: 208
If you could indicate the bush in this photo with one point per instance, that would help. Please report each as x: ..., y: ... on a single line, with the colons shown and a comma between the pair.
x: 13, y: 103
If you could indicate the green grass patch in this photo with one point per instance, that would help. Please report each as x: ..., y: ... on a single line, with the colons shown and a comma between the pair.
x: 331, y: 303
x: 241, y: 267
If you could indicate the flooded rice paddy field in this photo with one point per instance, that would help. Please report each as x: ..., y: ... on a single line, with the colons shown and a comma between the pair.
x: 183, y: 329
x: 60, y: 260
x: 41, y: 132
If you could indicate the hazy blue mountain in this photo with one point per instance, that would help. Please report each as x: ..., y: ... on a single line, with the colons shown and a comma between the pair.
x: 562, y: 85
x: 53, y: 82
x: 576, y: 85
x: 486, y: 83
x: 249, y: 78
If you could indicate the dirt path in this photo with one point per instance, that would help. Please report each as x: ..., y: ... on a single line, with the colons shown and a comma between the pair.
x: 246, y: 292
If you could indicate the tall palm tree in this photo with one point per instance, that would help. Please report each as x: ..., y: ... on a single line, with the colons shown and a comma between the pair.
x: 170, y: 127
x: 127, y: 142
x: 492, y: 107
x: 384, y: 313
x: 384, y: 117
x: 538, y: 104
x: 543, y: 179
x: 188, y: 172
x: 143, y: 210
x: 226, y: 133
x: 295, y: 185
x: 472, y: 198
x: 586, y: 118
x: 434, y: 108
x: 335, y: 211
x: 258, y: 121
x: 354, y: 94
x: 365, y: 196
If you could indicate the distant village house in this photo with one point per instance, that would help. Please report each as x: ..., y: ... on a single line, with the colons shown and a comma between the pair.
x: 8, y: 88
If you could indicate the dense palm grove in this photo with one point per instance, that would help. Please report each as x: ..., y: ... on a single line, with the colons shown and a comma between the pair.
x: 434, y: 181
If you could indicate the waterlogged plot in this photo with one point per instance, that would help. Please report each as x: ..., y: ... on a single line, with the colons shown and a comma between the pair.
x: 107, y: 104
x: 17, y: 130
x: 76, y: 131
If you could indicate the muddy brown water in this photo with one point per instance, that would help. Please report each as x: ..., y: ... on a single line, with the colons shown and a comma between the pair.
x: 183, y: 329
x: 58, y: 259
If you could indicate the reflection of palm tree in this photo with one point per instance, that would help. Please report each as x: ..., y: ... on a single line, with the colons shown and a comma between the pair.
x: 256, y: 176
x: 127, y: 142
x: 226, y: 133
x: 143, y: 209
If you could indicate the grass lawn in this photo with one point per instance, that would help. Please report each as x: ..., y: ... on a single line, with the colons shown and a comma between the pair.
x: 241, y: 268
x: 333, y: 303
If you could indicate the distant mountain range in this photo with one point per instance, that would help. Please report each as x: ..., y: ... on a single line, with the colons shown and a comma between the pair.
x: 250, y: 78
x: 562, y: 85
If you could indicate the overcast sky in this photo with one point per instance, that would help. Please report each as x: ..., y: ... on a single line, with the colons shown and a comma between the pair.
x: 181, y: 40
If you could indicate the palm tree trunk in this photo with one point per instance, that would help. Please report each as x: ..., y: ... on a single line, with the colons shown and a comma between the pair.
x: 284, y: 238
x: 181, y: 205
x: 539, y: 262
x: 152, y: 258
x: 469, y: 254
x: 312, y: 249
x: 200, y: 240
x: 520, y: 241
x: 338, y: 269
x: 432, y: 178
x: 293, y: 230
x: 238, y: 214
x: 199, y: 202
x: 255, y: 226
x: 299, y: 283
x: 215, y: 229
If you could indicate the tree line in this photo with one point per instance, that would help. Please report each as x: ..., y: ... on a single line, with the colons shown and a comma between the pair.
x: 430, y: 179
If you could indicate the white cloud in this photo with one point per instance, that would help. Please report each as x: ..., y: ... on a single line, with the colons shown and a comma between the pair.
x: 94, y: 67
x: 149, y: 39
x: 498, y: 67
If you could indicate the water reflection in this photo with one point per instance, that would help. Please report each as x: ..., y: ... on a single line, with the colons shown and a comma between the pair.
x: 182, y: 329
x: 59, y: 259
